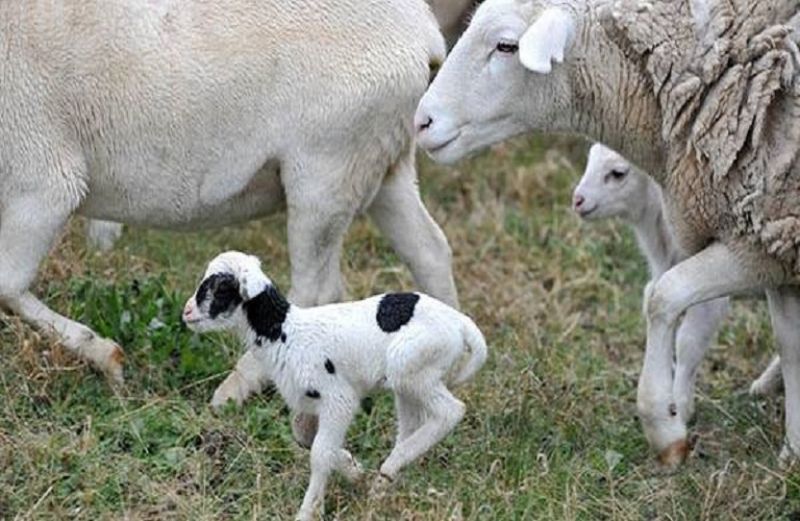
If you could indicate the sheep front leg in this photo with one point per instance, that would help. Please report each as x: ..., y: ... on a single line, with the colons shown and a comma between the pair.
x: 784, y: 310
x: 695, y: 334
x: 402, y: 217
x: 246, y: 379
x: 328, y: 454
x: 28, y: 227
x: 714, y: 272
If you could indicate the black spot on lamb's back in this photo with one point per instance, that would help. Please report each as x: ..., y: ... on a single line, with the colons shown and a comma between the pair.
x: 313, y: 393
x: 329, y: 366
x: 395, y: 310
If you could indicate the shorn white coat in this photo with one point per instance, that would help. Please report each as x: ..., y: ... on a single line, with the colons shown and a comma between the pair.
x: 187, y: 115
x: 324, y: 360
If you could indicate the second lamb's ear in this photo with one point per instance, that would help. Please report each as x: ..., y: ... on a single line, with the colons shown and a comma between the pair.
x: 546, y: 40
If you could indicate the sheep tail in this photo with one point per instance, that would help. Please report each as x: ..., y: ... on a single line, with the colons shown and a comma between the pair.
x: 476, y: 344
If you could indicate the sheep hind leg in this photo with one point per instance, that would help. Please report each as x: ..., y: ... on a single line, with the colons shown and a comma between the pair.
x: 443, y: 412
x: 101, y: 235
x: 28, y: 228
x: 713, y: 273
x: 784, y: 310
x: 401, y: 216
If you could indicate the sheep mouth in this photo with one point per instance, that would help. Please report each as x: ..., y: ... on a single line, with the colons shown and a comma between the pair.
x: 434, y: 149
x: 585, y: 214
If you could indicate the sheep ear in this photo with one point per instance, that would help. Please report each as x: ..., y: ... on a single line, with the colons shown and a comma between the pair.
x: 546, y: 40
x: 252, y: 280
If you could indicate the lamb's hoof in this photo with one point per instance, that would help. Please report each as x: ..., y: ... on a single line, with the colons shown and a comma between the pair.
x: 674, y: 455
x: 354, y: 472
x: 787, y: 458
x: 114, y: 364
x: 380, y: 486
x: 304, y: 429
x: 221, y: 398
x: 764, y: 388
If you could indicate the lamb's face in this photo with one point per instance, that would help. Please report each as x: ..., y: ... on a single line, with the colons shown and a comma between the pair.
x: 610, y: 187
x: 498, y: 81
x: 215, y: 303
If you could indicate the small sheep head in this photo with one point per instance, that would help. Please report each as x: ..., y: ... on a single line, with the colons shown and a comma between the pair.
x: 231, y: 279
x: 610, y: 187
x: 502, y: 78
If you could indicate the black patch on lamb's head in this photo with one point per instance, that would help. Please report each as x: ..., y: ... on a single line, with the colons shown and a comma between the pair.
x: 329, y: 366
x: 395, y: 310
x: 266, y: 313
x: 221, y: 292
x: 313, y: 393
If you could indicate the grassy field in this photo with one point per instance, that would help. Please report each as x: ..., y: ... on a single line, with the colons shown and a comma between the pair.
x: 550, y: 433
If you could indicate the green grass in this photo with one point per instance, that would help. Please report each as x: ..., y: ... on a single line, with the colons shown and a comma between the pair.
x: 550, y: 433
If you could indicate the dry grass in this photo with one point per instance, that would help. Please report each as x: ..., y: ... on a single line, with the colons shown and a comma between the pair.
x: 551, y: 431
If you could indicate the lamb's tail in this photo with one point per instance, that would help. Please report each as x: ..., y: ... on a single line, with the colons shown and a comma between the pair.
x: 478, y: 351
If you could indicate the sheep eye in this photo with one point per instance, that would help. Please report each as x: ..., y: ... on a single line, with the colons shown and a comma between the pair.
x: 507, y: 47
x: 618, y: 174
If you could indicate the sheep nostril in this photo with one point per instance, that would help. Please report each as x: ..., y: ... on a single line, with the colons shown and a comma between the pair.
x: 578, y: 201
x: 426, y: 125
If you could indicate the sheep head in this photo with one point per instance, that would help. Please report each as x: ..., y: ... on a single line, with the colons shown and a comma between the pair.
x: 231, y: 279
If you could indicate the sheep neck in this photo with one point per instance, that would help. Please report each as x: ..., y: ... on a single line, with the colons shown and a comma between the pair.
x: 265, y: 315
x: 653, y: 234
x: 619, y: 108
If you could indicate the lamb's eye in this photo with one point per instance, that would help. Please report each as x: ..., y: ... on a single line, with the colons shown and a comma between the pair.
x: 618, y: 174
x: 507, y: 47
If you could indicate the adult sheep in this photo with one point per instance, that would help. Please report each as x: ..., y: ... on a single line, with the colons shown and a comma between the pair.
x: 186, y: 115
x: 707, y: 93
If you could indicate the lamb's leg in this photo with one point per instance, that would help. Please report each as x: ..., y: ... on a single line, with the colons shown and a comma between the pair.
x: 409, y: 416
x: 771, y: 380
x: 443, y: 411
x: 28, y: 227
x: 246, y: 379
x: 784, y: 310
x: 328, y: 454
x: 401, y: 216
x: 102, y: 235
x: 695, y: 334
x: 713, y: 273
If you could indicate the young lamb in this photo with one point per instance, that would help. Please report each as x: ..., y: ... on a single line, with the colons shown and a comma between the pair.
x: 324, y: 360
x: 703, y: 94
x: 612, y: 187
x: 190, y: 115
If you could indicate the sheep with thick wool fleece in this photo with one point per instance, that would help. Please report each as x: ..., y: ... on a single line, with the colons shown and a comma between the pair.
x: 704, y: 95
x: 190, y: 115
x: 324, y: 360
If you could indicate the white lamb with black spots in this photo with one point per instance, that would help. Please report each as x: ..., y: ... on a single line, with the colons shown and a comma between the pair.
x: 324, y: 360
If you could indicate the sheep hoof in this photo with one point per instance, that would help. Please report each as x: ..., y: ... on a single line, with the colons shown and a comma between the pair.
x: 353, y: 471
x: 787, y: 459
x: 114, y: 364
x: 674, y: 454
x: 380, y: 486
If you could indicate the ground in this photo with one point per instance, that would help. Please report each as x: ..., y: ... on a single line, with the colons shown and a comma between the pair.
x: 550, y: 431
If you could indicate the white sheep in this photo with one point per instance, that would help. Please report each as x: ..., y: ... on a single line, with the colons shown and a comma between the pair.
x: 324, y: 360
x: 188, y: 115
x: 710, y: 104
